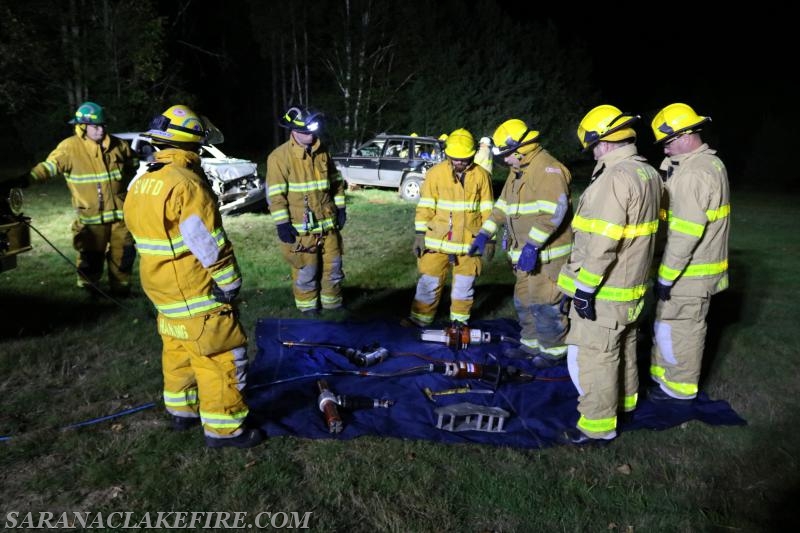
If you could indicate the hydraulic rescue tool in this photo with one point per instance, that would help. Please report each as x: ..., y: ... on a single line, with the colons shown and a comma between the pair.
x: 329, y: 404
x: 458, y: 336
x: 364, y: 356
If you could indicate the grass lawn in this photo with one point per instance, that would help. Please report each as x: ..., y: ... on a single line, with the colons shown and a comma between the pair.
x: 65, y: 358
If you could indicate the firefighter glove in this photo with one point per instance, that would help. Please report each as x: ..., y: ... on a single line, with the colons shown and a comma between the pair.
x: 286, y: 232
x: 341, y: 217
x: 583, y: 302
x: 419, y: 244
x: 662, y: 291
x: 223, y: 296
x: 478, y: 244
x: 528, y: 258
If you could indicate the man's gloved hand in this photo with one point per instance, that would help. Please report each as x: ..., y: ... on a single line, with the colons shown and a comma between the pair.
x: 419, y: 245
x: 286, y: 232
x: 222, y: 296
x: 488, y: 254
x: 341, y: 217
x: 528, y: 258
x: 583, y: 302
x: 662, y: 291
x: 478, y: 244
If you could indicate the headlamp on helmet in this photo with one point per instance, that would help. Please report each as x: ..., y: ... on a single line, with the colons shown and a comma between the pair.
x: 301, y: 120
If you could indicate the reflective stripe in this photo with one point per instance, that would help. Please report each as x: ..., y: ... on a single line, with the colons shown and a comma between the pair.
x: 222, y: 420
x: 226, y: 276
x: 527, y: 208
x: 614, y: 231
x: 309, y: 186
x: 280, y: 215
x: 189, y: 307
x: 716, y: 214
x: 172, y: 247
x: 602, y: 425
x: 102, y: 218
x: 180, y: 399
x: 693, y: 271
x: 459, y: 317
x: 589, y: 278
x: 422, y: 319
x: 427, y: 202
x: 448, y: 247
x: 420, y: 226
x: 78, y: 179
x: 454, y: 205
x: 613, y: 294
x: 682, y: 390
x: 490, y: 226
x: 303, y: 305
x: 629, y: 402
x: 537, y: 235
x: 279, y: 189
x: 685, y: 226
x: 339, y: 200
x: 546, y: 255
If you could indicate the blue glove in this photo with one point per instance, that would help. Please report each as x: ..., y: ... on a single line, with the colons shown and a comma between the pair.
x: 662, y: 291
x: 583, y: 302
x: 341, y: 217
x: 478, y: 244
x: 286, y: 232
x: 528, y: 258
x: 222, y: 296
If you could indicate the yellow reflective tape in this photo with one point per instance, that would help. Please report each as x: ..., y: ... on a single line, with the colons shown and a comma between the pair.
x: 684, y: 226
x: 716, y: 214
x: 684, y: 390
x: 589, y: 278
x: 601, y: 425
x: 613, y: 294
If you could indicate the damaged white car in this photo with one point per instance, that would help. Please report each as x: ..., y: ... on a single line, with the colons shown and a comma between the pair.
x: 235, y: 181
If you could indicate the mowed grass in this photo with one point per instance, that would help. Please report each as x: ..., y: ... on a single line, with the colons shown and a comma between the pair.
x: 65, y: 358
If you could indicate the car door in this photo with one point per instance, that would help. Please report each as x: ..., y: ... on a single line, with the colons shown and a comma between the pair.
x: 393, y: 164
x: 361, y: 168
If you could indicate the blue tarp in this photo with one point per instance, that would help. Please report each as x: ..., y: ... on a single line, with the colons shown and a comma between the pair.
x: 282, y: 391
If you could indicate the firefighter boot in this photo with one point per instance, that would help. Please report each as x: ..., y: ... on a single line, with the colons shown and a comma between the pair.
x: 247, y: 439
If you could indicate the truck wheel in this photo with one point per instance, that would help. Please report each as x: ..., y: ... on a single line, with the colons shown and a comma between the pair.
x: 410, y: 188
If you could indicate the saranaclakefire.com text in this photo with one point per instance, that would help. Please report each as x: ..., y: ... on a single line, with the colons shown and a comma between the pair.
x: 161, y: 520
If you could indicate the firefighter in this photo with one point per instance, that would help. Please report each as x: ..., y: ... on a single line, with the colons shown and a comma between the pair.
x: 97, y: 168
x: 456, y: 198
x: 307, y: 202
x: 614, y: 234
x: 189, y: 272
x: 695, y: 261
x: 535, y: 208
x: 484, y: 156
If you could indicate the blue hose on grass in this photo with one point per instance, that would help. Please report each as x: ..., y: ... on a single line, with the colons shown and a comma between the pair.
x: 93, y: 421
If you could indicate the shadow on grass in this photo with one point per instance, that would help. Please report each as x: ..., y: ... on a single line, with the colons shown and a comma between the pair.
x: 395, y: 304
x: 37, y: 316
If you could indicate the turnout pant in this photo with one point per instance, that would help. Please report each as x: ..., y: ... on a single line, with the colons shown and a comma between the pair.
x: 433, y: 268
x: 601, y: 357
x: 317, y: 274
x: 678, y: 342
x: 204, y: 362
x: 544, y: 327
x: 97, y: 243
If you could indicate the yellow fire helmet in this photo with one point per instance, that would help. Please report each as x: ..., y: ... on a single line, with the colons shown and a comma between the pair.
x: 460, y: 145
x: 674, y: 120
x: 178, y: 124
x: 605, y: 123
x: 513, y: 136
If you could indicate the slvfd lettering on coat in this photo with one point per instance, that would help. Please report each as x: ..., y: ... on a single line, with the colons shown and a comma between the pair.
x: 148, y: 186
x: 173, y: 330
